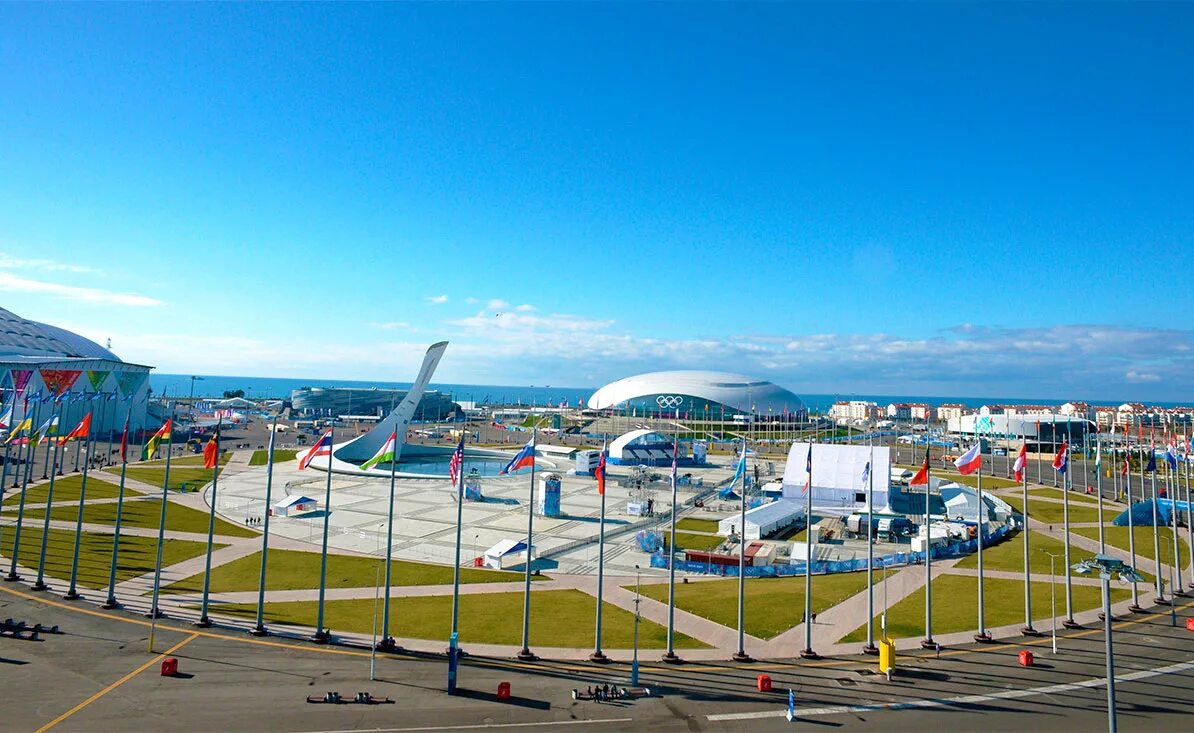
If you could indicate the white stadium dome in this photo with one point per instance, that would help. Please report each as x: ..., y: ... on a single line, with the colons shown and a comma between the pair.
x: 693, y: 390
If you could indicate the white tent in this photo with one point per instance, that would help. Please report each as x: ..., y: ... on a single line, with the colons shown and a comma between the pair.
x: 838, y: 471
x: 507, y: 553
x: 295, y: 504
x: 764, y: 520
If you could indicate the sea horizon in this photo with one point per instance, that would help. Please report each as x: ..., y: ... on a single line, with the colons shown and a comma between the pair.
x: 211, y: 385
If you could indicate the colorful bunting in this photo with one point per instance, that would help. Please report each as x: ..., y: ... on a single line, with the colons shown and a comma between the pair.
x: 58, y: 381
x: 130, y: 382
x: 20, y: 379
x: 97, y: 378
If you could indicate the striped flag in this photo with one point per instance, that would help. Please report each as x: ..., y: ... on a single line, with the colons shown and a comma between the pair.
x: 322, y: 447
x: 385, y: 454
x: 456, y: 463
x: 1021, y: 462
x: 599, y: 473
x: 151, y: 445
x: 211, y: 451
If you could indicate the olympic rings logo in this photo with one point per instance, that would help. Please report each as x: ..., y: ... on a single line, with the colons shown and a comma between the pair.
x: 668, y: 402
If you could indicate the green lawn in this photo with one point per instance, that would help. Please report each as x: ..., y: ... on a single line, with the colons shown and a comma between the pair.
x: 955, y: 606
x: 186, y: 469
x: 66, y: 488
x: 137, y: 554
x: 1009, y: 555
x: 1118, y: 537
x: 281, y: 455
x: 697, y: 525
x: 773, y: 605
x: 296, y: 569
x: 989, y: 482
x: 1052, y: 512
x: 559, y: 618
x: 689, y: 541
x: 145, y: 513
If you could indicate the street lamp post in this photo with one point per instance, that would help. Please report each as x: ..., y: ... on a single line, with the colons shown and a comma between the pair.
x: 1052, y: 596
x: 1106, y: 567
x: 638, y: 576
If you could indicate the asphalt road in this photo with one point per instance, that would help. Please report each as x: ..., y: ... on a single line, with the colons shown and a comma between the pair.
x: 99, y: 676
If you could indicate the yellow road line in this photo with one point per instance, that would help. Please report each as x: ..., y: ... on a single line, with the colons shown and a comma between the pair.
x: 118, y: 683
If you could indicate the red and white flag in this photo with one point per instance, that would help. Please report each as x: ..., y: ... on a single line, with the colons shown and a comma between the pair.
x: 456, y: 462
x: 970, y: 461
x: 1021, y: 462
x: 322, y: 447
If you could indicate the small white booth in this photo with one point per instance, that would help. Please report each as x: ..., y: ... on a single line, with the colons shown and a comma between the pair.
x: 292, y: 505
x: 506, y: 554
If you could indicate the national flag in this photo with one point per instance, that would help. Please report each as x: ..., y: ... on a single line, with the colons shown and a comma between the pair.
x: 1171, y: 455
x: 675, y: 457
x: 22, y: 427
x: 6, y: 418
x: 970, y: 461
x: 321, y: 447
x: 385, y: 454
x: 1062, y: 459
x: 151, y: 445
x: 82, y: 430
x: 1127, y: 463
x: 1021, y: 462
x: 808, y: 470
x: 599, y: 472
x: 866, y: 473
x: 922, y: 476
x: 124, y: 441
x: 47, y: 430
x: 524, y: 458
x: 740, y: 471
x: 456, y: 463
x: 1098, y: 455
x: 211, y: 451
x: 1152, y: 461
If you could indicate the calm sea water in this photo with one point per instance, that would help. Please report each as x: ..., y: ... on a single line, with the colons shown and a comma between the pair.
x: 275, y: 387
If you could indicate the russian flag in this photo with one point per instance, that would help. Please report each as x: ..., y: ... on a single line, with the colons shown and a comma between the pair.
x: 1062, y: 459
x: 322, y: 447
x: 970, y: 461
x: 525, y: 458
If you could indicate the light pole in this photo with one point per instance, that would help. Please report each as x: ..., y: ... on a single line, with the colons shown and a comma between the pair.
x: 1106, y: 566
x: 1052, y: 596
x: 638, y: 576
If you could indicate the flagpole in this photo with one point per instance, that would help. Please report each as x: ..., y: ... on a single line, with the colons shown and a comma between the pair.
x: 1099, y: 487
x: 453, y: 638
x: 1067, y: 485
x: 525, y: 653
x: 387, y: 642
x: 322, y: 636
x: 50, y: 429
x: 807, y: 652
x: 204, y: 621
x: 670, y: 655
x: 928, y: 642
x: 1175, y: 586
x: 981, y: 525
x: 1189, y: 516
x: 259, y: 629
x: 154, y: 611
x: 1135, y: 607
x: 598, y: 655
x: 741, y: 655
x: 85, y: 449
x: 1152, y: 465
x: 30, y: 456
x: 40, y: 584
x: 870, y: 647
x: 112, y: 602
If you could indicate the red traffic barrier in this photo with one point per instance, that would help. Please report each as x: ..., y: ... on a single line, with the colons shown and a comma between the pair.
x: 503, y: 690
x: 169, y: 667
x: 763, y: 683
x: 1190, y: 624
x: 1026, y: 658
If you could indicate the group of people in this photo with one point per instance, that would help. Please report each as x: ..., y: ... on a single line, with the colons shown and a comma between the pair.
x: 252, y: 521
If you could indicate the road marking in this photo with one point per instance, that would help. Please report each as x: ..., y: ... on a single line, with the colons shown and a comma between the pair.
x: 479, y: 726
x: 118, y: 683
x: 960, y: 700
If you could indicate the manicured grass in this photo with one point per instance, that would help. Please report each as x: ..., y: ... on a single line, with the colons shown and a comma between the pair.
x: 956, y: 606
x: 1118, y: 537
x: 145, y: 513
x: 689, y: 541
x: 66, y: 488
x: 281, y: 455
x: 559, y: 618
x: 1009, y: 555
x: 296, y: 569
x: 1053, y: 512
x: 989, y: 482
x: 773, y: 605
x: 189, y: 459
x: 137, y: 554
x: 193, y: 477
x: 697, y: 525
x: 1075, y: 496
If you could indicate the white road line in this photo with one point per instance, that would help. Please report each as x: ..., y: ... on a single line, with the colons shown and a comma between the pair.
x: 479, y: 726
x: 962, y: 700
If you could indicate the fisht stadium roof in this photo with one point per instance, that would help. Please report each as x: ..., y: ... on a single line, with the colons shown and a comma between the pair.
x: 735, y: 391
x: 23, y: 339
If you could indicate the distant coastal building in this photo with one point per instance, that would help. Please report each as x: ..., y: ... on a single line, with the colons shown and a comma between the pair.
x: 854, y: 411
x: 911, y: 411
x: 698, y: 395
x: 47, y: 370
x: 338, y: 401
x: 951, y: 410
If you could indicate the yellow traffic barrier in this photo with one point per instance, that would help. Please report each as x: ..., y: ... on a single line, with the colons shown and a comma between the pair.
x: 887, y: 656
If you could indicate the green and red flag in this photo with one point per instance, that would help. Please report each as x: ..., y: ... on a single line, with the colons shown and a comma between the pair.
x: 151, y: 445
x: 384, y: 454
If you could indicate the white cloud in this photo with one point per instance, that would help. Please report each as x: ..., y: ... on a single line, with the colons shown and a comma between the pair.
x: 9, y: 262
x: 436, y: 299
x: 525, y: 308
x: 471, y: 301
x: 497, y: 304
x: 1137, y: 377
x: 17, y: 284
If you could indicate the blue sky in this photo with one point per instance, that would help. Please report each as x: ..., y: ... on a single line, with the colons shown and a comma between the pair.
x: 946, y: 199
